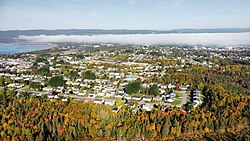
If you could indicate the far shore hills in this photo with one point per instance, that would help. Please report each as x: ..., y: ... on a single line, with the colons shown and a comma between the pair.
x: 12, y: 35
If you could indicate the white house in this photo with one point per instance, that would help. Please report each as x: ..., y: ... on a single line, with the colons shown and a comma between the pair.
x: 184, y: 88
x: 100, y: 94
x: 110, y: 101
x: 82, y: 93
x: 98, y: 101
x: 148, y: 106
x: 170, y: 86
x: 136, y: 98
x: 147, y: 98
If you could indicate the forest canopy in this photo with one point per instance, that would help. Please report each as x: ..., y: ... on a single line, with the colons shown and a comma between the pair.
x: 26, y: 117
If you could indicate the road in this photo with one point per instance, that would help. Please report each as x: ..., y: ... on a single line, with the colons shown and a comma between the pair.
x: 183, y: 100
x: 49, y: 93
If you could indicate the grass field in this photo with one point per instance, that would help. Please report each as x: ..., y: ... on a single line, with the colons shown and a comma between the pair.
x: 177, y: 101
x: 178, y: 93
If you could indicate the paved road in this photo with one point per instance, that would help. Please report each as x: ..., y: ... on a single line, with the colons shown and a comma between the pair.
x: 183, y: 100
x: 64, y: 95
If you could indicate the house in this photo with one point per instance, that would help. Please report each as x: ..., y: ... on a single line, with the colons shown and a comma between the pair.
x: 170, y: 86
x: 115, y: 82
x: 91, y: 94
x: 75, y: 90
x: 110, y: 101
x: 121, y: 91
x: 119, y: 96
x: 130, y: 103
x: 82, y: 93
x: 96, y: 87
x: 172, y: 94
x: 164, y: 86
x: 83, y: 84
x: 75, y: 83
x: 184, y: 88
x: 157, y: 98
x: 162, y: 91
x: 117, y: 109
x: 196, y: 101
x: 64, y: 99
x: 147, y: 98
x: 98, y: 101
x: 137, y: 108
x: 170, y: 100
x: 100, y: 94
x: 127, y: 97
x: 130, y: 79
x: 136, y: 98
x: 196, y: 97
x: 50, y: 96
x: 195, y: 104
x: 148, y: 106
x: 123, y: 83
x: 110, y: 94
x: 15, y: 85
x: 36, y: 94
x: 47, y: 89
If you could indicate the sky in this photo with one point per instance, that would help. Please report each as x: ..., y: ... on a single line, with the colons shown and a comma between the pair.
x: 123, y: 14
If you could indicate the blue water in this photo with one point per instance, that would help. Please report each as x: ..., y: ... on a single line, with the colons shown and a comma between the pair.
x: 12, y: 48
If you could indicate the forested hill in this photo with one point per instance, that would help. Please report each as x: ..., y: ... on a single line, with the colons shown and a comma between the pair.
x: 221, y: 117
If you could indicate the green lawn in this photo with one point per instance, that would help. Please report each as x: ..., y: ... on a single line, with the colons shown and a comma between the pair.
x: 178, y: 93
x: 148, y: 96
x: 39, y: 90
x: 83, y: 95
x: 152, y: 102
x: 110, y: 59
x: 108, y: 98
x: 136, y: 94
x: 177, y: 101
x: 99, y: 96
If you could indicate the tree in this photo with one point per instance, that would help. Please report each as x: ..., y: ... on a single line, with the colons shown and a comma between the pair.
x: 4, y: 96
x: 133, y: 87
x: 56, y: 81
x: 89, y: 75
x: 154, y: 90
x: 73, y: 74
x: 43, y: 70
x: 177, y: 86
x: 38, y: 60
x: 35, y: 85
x: 1, y: 81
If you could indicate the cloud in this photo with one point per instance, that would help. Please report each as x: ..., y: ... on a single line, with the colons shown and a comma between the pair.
x: 150, y: 39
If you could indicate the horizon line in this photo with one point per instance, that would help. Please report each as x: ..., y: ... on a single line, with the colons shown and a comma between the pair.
x: 125, y: 29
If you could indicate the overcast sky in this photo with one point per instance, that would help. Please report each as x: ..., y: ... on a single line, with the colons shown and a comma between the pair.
x: 123, y: 14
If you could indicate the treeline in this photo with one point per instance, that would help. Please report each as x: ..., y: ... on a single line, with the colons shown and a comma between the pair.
x: 234, y: 78
x: 36, y: 118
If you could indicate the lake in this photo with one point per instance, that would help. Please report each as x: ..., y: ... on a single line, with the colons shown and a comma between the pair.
x: 12, y: 48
